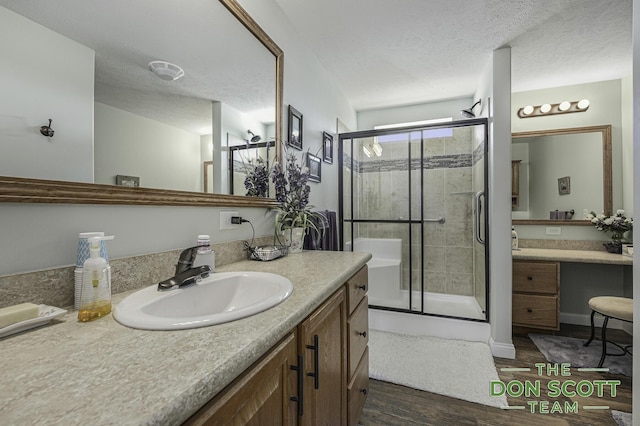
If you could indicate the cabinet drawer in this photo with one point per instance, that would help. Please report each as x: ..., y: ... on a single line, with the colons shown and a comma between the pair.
x: 536, y: 277
x: 535, y: 311
x: 357, y: 287
x: 358, y: 334
x: 358, y: 390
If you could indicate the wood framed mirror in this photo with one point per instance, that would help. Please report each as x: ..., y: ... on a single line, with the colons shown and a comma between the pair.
x: 47, y: 190
x: 547, y: 160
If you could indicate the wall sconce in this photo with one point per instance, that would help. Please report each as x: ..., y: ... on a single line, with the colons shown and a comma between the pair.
x: 47, y: 130
x: 564, y: 107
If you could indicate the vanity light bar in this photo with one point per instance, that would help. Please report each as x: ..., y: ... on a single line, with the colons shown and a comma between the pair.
x: 564, y: 107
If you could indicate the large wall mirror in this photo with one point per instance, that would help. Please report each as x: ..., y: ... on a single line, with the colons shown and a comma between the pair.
x: 84, y: 64
x: 561, y: 170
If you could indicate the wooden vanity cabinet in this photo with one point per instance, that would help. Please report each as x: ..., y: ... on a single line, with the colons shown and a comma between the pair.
x: 331, y: 346
x: 536, y: 294
x: 323, y: 343
x: 260, y: 396
x: 358, y: 340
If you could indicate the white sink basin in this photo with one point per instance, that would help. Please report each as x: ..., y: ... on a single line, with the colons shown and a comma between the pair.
x: 222, y: 297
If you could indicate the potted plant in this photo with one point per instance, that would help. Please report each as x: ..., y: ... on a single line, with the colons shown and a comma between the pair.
x: 294, y: 216
x: 257, y: 180
x: 617, y: 225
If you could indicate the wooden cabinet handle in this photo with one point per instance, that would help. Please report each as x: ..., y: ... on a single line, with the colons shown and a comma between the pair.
x: 362, y: 287
x: 364, y: 391
x: 529, y: 277
x: 362, y: 333
x: 529, y: 310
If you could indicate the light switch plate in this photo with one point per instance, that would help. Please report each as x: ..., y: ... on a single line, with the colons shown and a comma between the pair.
x: 554, y: 230
x: 225, y: 220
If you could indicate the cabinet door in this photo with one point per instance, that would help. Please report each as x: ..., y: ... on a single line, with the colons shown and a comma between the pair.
x: 323, y: 342
x: 261, y: 396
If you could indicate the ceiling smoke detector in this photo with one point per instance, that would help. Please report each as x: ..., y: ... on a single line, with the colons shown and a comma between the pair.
x: 166, y: 70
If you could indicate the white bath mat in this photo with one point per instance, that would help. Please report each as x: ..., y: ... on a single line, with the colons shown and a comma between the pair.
x: 455, y: 368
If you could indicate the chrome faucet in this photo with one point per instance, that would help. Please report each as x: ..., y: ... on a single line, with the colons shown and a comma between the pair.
x: 186, y: 273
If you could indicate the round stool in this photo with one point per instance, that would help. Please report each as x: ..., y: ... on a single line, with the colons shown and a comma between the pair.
x: 620, y: 308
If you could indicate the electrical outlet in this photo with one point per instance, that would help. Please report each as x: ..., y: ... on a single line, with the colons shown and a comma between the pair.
x: 554, y: 230
x: 225, y: 220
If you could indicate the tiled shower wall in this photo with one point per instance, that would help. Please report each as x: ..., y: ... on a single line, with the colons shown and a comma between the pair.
x: 382, y: 187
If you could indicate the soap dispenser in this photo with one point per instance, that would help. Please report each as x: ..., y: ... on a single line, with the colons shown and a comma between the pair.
x: 514, y: 239
x: 205, y: 255
x: 95, y: 295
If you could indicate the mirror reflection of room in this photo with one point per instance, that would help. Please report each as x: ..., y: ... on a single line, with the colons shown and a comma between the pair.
x: 550, y: 186
x: 122, y: 118
x: 583, y: 149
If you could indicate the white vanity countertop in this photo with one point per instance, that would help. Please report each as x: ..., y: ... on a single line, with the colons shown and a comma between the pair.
x: 104, y: 373
x: 578, y: 256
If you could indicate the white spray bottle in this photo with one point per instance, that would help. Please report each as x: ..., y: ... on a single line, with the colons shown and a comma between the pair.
x: 95, y: 295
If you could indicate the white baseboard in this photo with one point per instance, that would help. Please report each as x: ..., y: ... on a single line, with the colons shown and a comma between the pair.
x: 585, y: 319
x: 502, y: 350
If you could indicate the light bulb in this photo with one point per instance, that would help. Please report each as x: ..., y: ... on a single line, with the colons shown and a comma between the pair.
x: 527, y: 110
x: 545, y: 108
x: 583, y: 104
x: 564, y: 105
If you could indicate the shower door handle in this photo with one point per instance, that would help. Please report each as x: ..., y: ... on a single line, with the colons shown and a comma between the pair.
x: 479, y: 197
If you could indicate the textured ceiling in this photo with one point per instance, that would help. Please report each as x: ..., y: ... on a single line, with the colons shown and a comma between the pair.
x: 394, y: 52
x: 379, y: 52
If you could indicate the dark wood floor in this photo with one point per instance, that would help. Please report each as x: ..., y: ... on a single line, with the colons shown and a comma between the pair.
x: 391, y: 405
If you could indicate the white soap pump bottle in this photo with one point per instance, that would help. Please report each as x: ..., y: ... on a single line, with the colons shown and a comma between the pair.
x: 514, y: 239
x: 95, y: 295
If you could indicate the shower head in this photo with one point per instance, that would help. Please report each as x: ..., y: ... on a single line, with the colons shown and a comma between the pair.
x: 254, y: 138
x: 469, y: 111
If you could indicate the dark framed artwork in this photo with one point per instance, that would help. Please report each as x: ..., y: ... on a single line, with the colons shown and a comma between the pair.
x: 314, y: 164
x: 564, y: 185
x: 327, y: 147
x: 132, y: 181
x: 295, y: 128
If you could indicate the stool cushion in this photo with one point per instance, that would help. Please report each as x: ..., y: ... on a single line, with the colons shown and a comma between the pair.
x: 614, y: 307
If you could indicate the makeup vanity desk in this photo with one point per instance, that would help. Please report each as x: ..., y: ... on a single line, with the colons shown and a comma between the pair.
x: 536, y: 285
x: 577, y: 256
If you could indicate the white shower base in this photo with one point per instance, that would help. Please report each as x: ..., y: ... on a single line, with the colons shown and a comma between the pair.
x: 434, y: 303
x: 425, y: 325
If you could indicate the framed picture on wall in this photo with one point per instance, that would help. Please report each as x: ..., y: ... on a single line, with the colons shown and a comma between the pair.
x: 314, y: 164
x: 295, y: 128
x: 327, y: 147
x: 564, y: 185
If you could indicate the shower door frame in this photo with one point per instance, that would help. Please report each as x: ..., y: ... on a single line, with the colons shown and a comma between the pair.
x: 478, y: 206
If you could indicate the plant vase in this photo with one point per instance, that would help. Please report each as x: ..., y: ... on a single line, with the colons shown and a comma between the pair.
x: 294, y: 239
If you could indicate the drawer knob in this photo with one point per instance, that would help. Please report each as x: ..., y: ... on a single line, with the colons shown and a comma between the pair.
x: 362, y: 287
x: 529, y: 277
x: 529, y: 310
x: 362, y: 333
x: 364, y: 391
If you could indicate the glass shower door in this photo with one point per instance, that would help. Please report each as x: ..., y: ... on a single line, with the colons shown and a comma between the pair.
x: 412, y: 198
x: 376, y: 212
